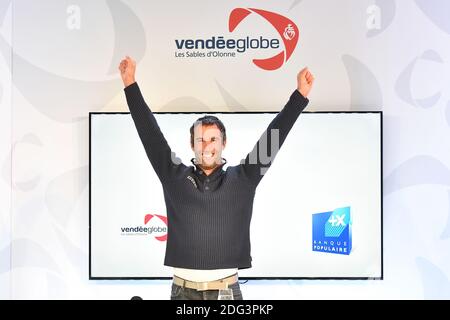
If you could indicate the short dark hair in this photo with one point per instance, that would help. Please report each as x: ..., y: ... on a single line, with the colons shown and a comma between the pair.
x: 209, y: 121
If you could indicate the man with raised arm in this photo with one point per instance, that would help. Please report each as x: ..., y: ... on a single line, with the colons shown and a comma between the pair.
x: 209, y: 209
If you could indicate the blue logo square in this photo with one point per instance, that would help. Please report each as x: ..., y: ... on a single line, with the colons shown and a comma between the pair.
x: 332, y: 231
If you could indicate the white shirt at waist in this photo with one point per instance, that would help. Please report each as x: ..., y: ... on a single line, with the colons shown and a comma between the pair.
x: 203, y: 275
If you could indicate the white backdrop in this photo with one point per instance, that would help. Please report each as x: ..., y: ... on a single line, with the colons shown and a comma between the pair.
x: 5, y: 166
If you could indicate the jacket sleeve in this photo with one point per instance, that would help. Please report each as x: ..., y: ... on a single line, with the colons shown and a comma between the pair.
x: 158, y: 151
x: 258, y: 161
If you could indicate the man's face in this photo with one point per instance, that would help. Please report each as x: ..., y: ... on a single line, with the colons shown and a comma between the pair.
x: 208, y: 145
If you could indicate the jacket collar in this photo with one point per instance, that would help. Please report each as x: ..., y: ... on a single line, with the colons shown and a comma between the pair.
x: 216, y: 172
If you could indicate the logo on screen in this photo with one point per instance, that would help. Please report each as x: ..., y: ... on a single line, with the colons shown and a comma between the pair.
x: 161, y: 231
x: 285, y: 27
x: 155, y: 226
x: 332, y: 231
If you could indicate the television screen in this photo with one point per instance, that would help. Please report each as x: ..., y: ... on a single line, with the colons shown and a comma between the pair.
x: 317, y: 212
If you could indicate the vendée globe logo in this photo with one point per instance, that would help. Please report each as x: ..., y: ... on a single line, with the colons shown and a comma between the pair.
x: 332, y: 231
x: 223, y: 47
x: 155, y: 225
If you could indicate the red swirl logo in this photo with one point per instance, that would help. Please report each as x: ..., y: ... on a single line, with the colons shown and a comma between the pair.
x: 285, y: 27
x: 148, y: 217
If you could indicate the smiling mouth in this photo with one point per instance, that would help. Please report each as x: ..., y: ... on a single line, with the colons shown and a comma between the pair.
x: 208, y: 155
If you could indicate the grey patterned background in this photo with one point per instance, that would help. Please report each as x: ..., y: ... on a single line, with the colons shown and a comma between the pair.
x: 58, y: 62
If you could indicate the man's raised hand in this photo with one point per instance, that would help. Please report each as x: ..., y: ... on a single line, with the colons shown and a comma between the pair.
x: 305, y: 81
x: 127, y: 69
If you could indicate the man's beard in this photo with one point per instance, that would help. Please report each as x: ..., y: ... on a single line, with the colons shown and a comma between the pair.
x: 214, y: 164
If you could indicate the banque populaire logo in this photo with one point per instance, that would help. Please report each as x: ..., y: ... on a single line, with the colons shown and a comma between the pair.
x: 153, y: 227
x: 332, y: 231
x: 219, y: 46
